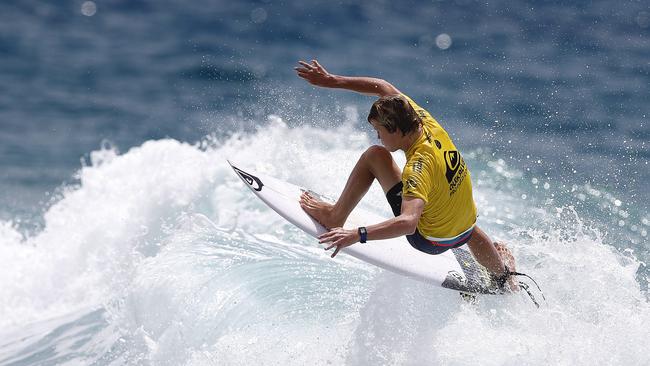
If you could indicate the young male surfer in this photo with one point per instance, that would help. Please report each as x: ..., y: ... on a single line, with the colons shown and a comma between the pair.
x: 431, y: 199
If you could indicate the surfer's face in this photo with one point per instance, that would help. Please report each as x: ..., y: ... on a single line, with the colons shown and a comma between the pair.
x: 388, y: 139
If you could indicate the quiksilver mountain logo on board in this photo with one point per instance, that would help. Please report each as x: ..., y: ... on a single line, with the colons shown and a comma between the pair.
x: 252, y: 180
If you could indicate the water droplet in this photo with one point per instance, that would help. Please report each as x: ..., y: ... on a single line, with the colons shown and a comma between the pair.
x: 258, y: 15
x: 88, y: 8
x: 443, y: 41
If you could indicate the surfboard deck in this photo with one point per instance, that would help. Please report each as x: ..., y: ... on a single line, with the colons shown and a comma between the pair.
x: 455, y: 269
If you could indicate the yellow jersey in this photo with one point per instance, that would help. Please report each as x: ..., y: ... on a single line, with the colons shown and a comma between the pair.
x: 436, y: 173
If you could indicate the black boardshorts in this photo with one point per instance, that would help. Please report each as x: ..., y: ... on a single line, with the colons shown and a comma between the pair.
x: 417, y: 241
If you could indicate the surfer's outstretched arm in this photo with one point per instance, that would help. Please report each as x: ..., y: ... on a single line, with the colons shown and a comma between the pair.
x: 316, y: 74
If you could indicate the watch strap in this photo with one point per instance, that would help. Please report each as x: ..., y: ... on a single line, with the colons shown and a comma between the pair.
x: 363, y: 234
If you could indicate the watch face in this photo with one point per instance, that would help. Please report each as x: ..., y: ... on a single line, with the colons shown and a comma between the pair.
x: 363, y: 234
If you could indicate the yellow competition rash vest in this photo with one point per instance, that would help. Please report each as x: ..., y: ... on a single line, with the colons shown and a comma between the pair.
x: 436, y: 173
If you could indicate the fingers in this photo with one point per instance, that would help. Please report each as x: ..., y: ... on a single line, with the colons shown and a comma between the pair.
x: 336, y: 252
x: 314, y: 64
x: 305, y: 69
x: 330, y: 235
x: 302, y: 72
x: 318, y: 66
x: 327, y: 237
x: 336, y: 238
x: 305, y: 74
x: 306, y: 65
x: 308, y: 68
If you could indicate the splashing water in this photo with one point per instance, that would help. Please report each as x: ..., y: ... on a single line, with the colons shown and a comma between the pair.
x: 159, y: 255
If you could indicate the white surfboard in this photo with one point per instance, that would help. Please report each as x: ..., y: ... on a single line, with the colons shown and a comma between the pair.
x: 454, y: 269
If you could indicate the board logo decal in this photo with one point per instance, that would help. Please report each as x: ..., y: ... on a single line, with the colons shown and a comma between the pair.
x: 252, y: 180
x: 458, y: 277
x: 455, y: 280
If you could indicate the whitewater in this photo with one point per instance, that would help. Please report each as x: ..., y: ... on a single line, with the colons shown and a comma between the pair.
x: 160, y: 255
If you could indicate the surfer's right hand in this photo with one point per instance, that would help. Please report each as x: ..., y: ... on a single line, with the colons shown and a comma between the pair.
x: 338, y: 237
x: 315, y: 74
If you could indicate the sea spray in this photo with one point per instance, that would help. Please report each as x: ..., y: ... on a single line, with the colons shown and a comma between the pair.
x: 160, y: 255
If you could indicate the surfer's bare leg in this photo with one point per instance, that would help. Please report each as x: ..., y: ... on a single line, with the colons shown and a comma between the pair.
x: 375, y: 163
x: 484, y: 251
x: 490, y: 255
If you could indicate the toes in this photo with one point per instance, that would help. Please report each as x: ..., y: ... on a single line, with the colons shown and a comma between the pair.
x: 306, y: 197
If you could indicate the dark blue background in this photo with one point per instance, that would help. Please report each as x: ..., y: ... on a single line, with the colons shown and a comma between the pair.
x: 556, y: 88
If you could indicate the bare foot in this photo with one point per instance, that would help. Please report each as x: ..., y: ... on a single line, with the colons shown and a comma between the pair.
x: 509, y: 260
x: 322, y: 212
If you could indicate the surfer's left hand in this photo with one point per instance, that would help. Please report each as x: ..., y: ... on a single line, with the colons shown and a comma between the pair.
x: 315, y: 74
x: 340, y: 238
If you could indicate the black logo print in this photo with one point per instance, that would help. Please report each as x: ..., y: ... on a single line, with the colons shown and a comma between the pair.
x: 252, y: 180
x: 452, y: 158
x: 417, y: 165
x: 456, y: 170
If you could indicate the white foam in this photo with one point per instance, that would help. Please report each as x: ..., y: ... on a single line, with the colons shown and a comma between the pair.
x: 192, y: 269
x: 96, y: 235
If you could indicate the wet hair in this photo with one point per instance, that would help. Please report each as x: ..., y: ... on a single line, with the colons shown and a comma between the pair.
x: 395, y: 113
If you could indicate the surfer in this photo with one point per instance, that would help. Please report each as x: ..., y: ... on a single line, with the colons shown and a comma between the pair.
x: 431, y: 198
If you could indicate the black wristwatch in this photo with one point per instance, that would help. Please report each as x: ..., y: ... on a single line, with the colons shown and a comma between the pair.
x: 363, y: 234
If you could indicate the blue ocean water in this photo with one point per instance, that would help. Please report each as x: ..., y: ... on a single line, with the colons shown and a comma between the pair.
x: 126, y: 239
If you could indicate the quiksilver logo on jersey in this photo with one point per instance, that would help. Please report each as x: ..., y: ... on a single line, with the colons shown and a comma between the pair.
x: 252, y: 180
x: 456, y: 170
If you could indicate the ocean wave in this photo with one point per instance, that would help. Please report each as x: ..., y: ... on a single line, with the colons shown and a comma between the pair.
x: 159, y: 255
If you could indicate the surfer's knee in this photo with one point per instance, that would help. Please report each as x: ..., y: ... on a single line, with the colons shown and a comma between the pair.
x: 377, y: 152
x: 381, y: 165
